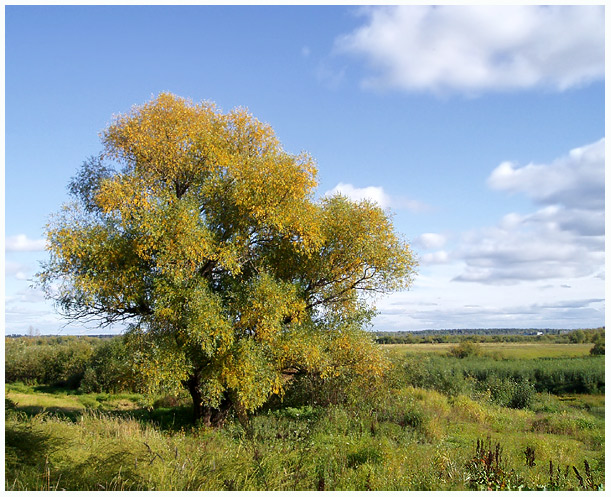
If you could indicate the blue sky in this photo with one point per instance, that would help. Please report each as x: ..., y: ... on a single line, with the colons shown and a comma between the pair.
x: 481, y: 129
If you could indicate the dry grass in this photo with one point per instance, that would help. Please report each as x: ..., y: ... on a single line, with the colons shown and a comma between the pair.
x: 504, y: 350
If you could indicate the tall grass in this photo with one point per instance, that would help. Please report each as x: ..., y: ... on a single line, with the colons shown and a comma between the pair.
x: 415, y: 439
x: 431, y: 424
x: 453, y: 375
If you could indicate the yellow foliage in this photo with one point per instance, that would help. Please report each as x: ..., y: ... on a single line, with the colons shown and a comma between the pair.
x: 209, y: 241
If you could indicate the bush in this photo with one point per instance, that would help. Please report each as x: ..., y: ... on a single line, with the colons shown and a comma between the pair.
x: 522, y: 395
x: 57, y: 361
x: 434, y: 373
x: 466, y: 349
x: 109, y: 369
x: 92, y: 364
x: 599, y: 344
x: 501, y: 389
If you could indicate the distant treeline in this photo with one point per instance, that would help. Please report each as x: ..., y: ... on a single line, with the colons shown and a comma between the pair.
x: 484, y: 331
x: 547, y: 335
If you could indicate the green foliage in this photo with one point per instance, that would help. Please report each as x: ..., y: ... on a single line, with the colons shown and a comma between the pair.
x: 109, y: 369
x: 466, y: 349
x: 342, y: 447
x: 50, y: 361
x: 522, y: 396
x: 207, y: 241
x: 511, y: 382
x: 599, y: 344
x: 91, y: 364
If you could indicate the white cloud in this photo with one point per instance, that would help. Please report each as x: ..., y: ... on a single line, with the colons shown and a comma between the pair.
x: 577, y: 180
x: 477, y: 48
x: 497, y: 256
x: 21, y: 243
x: 431, y: 240
x: 27, y: 294
x: 564, y: 239
x: 378, y: 195
x: 373, y: 193
x: 438, y: 257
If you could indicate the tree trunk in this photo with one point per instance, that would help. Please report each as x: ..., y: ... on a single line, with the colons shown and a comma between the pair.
x: 196, y: 394
x: 243, y: 418
x: 208, y: 416
x: 217, y: 416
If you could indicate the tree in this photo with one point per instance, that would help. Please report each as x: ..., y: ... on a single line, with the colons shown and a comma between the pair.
x: 598, y: 339
x: 33, y: 332
x: 198, y: 231
x: 577, y: 336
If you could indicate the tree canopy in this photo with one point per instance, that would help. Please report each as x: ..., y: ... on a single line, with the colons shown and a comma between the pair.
x: 197, y: 230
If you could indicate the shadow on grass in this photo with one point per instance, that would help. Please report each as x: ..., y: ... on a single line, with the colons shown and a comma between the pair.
x: 168, y: 419
x: 24, y: 445
x: 53, y: 389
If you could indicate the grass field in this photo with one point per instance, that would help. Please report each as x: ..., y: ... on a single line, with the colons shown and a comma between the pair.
x: 501, y: 350
x: 454, y: 433
x: 38, y: 399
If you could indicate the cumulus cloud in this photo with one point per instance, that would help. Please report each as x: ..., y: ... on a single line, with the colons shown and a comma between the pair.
x: 578, y: 221
x: 378, y: 195
x: 431, y: 240
x: 373, y: 193
x: 576, y: 180
x: 478, y: 48
x: 438, y: 257
x: 498, y: 256
x: 21, y: 243
x: 564, y: 239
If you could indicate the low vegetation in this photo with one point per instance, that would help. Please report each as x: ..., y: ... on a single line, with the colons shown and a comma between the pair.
x: 441, y: 420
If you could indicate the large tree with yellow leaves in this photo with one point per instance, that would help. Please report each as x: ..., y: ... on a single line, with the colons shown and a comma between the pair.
x: 199, y: 232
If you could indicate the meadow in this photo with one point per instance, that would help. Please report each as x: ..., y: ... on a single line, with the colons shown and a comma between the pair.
x: 445, y: 417
x: 502, y: 350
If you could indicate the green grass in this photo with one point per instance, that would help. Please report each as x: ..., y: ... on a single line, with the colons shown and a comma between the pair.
x: 401, y: 436
x: 60, y: 399
x: 498, y: 350
x: 415, y: 439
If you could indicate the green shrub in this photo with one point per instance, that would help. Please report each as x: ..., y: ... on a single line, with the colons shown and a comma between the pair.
x: 50, y: 360
x: 598, y: 349
x: 109, y: 369
x: 501, y: 389
x: 414, y: 418
x: 522, y: 396
x: 465, y: 349
x: 304, y: 412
